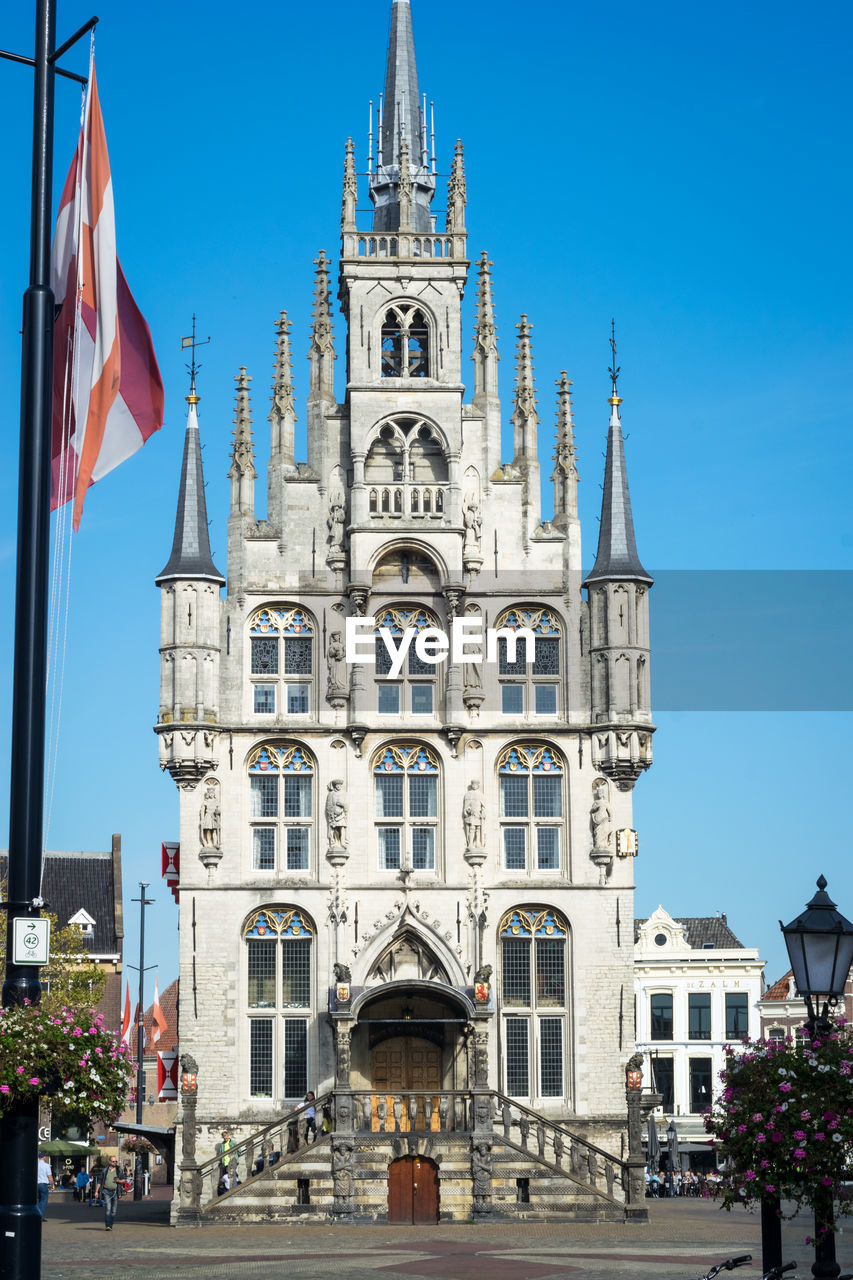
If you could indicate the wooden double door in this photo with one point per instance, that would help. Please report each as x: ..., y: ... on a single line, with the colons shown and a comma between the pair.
x: 402, y: 1065
x: 412, y: 1191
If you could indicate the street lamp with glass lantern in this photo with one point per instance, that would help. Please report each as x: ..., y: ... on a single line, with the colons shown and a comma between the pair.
x: 820, y: 948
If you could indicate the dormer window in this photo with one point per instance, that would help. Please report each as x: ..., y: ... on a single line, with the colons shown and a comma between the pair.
x: 405, y: 343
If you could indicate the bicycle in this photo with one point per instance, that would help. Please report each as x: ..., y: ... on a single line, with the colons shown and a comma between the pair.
x: 775, y: 1273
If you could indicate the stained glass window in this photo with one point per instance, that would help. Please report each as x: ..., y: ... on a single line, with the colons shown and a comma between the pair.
x: 530, y: 680
x: 533, y: 980
x: 406, y: 797
x: 281, y: 782
x: 530, y: 780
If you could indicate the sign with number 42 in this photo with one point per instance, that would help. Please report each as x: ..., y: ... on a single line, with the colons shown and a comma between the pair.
x: 32, y: 940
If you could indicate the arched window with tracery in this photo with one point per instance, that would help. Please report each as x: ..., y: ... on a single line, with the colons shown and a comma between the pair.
x: 534, y: 1001
x: 530, y: 682
x: 279, y: 998
x: 531, y: 807
x: 405, y: 342
x: 414, y: 690
x: 282, y: 660
x: 406, y: 469
x: 281, y: 783
x: 406, y: 778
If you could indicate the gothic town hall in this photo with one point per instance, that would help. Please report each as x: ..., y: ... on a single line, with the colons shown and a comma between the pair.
x: 405, y: 885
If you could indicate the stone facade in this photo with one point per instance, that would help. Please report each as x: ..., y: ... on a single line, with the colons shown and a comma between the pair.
x: 412, y: 881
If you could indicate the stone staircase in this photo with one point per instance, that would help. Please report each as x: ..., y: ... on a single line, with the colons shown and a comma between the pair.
x: 511, y: 1164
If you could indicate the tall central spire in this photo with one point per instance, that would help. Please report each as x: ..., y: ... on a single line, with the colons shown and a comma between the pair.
x: 401, y: 126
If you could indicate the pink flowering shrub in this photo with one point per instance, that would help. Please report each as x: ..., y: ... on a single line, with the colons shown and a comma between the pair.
x: 784, y: 1119
x: 70, y: 1058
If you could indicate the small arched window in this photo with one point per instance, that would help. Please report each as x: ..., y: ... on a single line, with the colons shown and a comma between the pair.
x: 531, y: 808
x: 534, y: 986
x: 281, y: 781
x: 406, y: 792
x: 530, y: 681
x: 405, y: 343
x: 279, y: 942
x: 282, y: 644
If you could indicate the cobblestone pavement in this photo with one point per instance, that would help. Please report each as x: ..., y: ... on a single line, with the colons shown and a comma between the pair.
x: 681, y: 1241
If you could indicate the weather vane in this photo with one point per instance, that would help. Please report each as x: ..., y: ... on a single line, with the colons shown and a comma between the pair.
x: 614, y: 368
x: 193, y: 342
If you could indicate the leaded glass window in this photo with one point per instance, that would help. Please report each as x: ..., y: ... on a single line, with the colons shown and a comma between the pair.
x: 530, y: 679
x: 281, y: 787
x: 279, y: 942
x: 282, y: 646
x: 533, y: 985
x: 414, y: 689
x: 406, y: 798
x: 531, y: 808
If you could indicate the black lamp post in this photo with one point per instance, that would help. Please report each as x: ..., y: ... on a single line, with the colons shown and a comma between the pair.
x: 820, y: 948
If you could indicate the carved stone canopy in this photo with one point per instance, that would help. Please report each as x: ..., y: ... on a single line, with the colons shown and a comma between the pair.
x: 407, y: 957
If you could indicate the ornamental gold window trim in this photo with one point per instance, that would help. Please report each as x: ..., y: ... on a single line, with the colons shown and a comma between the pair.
x: 531, y: 757
x: 283, y: 757
x: 541, y: 620
x: 279, y: 922
x: 416, y: 616
x: 407, y: 757
x: 533, y: 922
x: 283, y: 620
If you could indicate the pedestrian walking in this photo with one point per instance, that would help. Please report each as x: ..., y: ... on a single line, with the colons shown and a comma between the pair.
x: 81, y: 1183
x: 109, y: 1192
x: 45, y: 1182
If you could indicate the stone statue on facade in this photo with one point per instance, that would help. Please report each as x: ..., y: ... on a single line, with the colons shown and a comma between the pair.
x: 335, y: 520
x: 337, y: 690
x: 337, y: 811
x: 481, y: 1170
x: 473, y: 522
x: 210, y: 819
x: 600, y: 822
x: 474, y: 816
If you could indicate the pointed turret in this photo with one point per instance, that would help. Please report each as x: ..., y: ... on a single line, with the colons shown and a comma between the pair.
x: 350, y: 193
x: 242, y: 470
x: 525, y: 419
x: 457, y: 191
x: 322, y: 351
x: 282, y: 417
x: 565, y: 473
x: 619, y: 624
x: 485, y: 355
x: 189, y: 623
x: 191, y: 557
x: 401, y: 121
x: 616, y: 558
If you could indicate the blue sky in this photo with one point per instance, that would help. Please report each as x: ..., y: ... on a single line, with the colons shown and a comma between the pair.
x: 685, y: 169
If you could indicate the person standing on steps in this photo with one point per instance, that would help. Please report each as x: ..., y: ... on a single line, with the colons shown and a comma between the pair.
x: 109, y: 1192
x: 310, y: 1116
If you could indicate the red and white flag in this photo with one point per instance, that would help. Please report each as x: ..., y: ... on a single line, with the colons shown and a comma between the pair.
x: 125, y: 1022
x: 158, y: 1021
x: 107, y: 390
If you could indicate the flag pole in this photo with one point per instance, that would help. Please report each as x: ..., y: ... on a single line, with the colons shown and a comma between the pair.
x: 20, y: 1220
